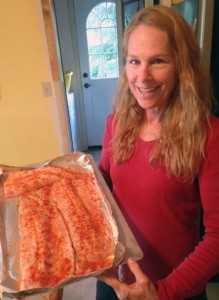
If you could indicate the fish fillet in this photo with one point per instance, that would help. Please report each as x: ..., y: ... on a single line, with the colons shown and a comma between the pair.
x: 90, y: 232
x: 46, y: 253
x: 20, y: 182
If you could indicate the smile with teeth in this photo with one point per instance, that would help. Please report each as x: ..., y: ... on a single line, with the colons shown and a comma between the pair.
x: 148, y: 90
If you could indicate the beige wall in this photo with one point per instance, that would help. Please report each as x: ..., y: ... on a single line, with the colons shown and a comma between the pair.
x: 28, y: 130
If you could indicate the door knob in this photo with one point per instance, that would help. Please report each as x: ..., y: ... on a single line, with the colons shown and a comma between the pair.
x: 86, y: 85
x: 85, y: 75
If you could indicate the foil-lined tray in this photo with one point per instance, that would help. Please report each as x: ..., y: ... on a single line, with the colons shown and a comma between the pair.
x: 126, y: 244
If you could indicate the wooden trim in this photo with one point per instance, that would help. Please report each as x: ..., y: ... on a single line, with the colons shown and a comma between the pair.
x: 59, y: 101
x: 50, y: 37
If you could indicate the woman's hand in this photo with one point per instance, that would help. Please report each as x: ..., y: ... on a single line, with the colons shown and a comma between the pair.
x: 142, y: 289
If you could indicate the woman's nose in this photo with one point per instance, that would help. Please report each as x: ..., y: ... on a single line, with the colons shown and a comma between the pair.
x: 145, y: 73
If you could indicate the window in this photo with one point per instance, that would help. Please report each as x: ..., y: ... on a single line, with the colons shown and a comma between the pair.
x: 102, y: 42
x: 129, y: 8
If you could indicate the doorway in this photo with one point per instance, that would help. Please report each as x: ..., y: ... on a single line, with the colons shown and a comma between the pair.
x: 87, y: 33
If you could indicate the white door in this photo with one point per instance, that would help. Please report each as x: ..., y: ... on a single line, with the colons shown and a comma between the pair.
x: 98, y: 53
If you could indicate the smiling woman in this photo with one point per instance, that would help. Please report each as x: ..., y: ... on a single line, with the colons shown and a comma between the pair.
x: 158, y: 157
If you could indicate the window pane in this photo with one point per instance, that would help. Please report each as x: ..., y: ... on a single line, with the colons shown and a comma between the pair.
x: 93, y: 20
x: 188, y: 9
x: 107, y: 23
x: 111, y: 10
x: 94, y: 41
x: 101, y: 10
x: 103, y: 66
x: 109, y: 40
x: 110, y: 63
x: 95, y: 62
x: 129, y: 8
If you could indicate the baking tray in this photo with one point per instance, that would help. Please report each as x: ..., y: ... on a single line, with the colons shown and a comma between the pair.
x: 127, y: 245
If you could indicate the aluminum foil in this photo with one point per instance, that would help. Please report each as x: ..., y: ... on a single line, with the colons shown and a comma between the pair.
x: 10, y: 274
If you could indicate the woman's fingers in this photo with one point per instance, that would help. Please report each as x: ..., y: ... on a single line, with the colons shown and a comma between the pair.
x: 141, y: 289
x: 148, y: 289
x: 135, y: 269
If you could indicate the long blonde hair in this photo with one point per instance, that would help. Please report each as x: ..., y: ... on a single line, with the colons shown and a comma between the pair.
x: 184, y: 122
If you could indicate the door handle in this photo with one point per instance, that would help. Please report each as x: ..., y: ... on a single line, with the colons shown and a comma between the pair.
x: 86, y: 85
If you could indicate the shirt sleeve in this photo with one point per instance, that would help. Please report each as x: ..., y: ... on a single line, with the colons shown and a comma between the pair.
x: 190, y: 277
x: 104, y: 162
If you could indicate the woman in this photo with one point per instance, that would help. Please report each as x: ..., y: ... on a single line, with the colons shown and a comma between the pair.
x: 160, y: 159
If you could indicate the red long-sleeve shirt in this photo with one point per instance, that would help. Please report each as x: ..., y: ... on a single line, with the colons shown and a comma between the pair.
x: 163, y: 213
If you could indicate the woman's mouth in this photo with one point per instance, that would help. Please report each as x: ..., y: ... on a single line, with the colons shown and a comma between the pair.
x: 147, y: 90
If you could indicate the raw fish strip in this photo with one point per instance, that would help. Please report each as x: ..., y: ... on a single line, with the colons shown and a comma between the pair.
x: 90, y: 232
x: 23, y: 181
x: 104, y: 246
x: 87, y: 187
x: 46, y: 253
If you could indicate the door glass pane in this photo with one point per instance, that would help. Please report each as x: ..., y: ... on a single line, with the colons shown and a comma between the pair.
x: 101, y: 10
x: 94, y: 41
x: 102, y: 41
x: 109, y: 63
x: 93, y: 20
x: 95, y: 66
x: 109, y: 40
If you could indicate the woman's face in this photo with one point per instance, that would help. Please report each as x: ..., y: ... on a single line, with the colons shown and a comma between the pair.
x: 150, y: 67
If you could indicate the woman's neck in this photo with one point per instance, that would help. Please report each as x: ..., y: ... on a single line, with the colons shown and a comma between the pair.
x: 150, y: 129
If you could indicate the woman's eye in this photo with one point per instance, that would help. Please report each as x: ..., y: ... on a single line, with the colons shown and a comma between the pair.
x: 134, y: 62
x: 157, y: 61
